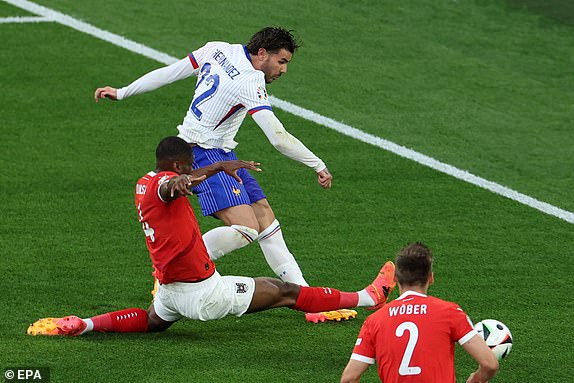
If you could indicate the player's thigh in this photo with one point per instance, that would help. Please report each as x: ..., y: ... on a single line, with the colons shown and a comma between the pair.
x: 271, y: 293
x: 238, y: 215
x: 214, y: 298
x: 238, y: 291
x: 263, y: 213
x: 163, y: 307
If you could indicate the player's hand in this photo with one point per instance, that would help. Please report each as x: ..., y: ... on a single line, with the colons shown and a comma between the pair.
x: 106, y: 92
x: 324, y: 178
x: 182, y: 185
x: 475, y: 378
x: 231, y: 167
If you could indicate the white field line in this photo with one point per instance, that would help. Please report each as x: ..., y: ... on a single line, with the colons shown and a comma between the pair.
x: 307, y: 114
x: 24, y: 19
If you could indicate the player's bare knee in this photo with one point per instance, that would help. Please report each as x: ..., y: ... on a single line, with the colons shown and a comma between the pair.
x: 289, y: 291
x: 247, y: 232
x: 155, y: 323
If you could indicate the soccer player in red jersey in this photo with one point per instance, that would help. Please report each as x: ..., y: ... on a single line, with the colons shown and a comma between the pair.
x: 412, y: 338
x: 189, y: 284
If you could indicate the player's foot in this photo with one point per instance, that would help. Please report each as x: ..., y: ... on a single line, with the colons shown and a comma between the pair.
x: 336, y: 315
x: 70, y: 326
x: 382, y: 286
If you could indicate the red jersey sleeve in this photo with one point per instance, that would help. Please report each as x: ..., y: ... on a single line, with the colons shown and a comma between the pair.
x: 364, y: 350
x: 461, y: 325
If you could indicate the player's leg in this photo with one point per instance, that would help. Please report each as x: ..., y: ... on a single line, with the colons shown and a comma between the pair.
x: 223, y: 197
x: 241, y: 229
x: 159, y: 317
x: 273, y: 245
x: 272, y: 293
x: 127, y: 320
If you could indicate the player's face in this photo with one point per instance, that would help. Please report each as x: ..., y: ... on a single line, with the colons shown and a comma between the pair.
x: 184, y: 166
x: 275, y: 64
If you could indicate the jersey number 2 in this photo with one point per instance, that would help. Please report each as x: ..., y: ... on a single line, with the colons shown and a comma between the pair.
x: 212, y: 82
x: 413, y: 330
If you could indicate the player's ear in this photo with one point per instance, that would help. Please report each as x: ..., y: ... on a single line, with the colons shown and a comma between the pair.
x: 431, y: 279
x: 262, y: 54
x: 176, y: 167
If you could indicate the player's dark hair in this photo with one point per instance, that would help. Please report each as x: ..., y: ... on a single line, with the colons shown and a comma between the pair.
x: 273, y: 39
x: 172, y: 148
x: 413, y: 265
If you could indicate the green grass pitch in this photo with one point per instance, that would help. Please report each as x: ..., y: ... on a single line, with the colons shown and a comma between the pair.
x: 486, y: 86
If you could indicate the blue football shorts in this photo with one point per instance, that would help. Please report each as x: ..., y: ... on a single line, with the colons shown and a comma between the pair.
x: 221, y: 191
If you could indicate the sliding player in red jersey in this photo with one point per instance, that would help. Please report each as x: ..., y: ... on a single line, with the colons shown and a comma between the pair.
x: 189, y: 284
x: 231, y: 83
x: 412, y: 338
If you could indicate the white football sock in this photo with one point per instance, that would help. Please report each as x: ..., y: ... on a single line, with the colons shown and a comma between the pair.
x: 89, y: 327
x: 278, y: 255
x: 224, y: 239
x: 365, y: 299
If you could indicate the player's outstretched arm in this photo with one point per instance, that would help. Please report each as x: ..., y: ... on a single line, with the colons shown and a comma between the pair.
x: 353, y: 372
x: 182, y: 184
x: 179, y: 186
x: 228, y: 167
x: 290, y: 146
x: 487, y: 362
x: 153, y: 80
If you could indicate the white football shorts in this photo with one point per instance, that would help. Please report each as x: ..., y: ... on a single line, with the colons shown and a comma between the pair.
x: 210, y: 299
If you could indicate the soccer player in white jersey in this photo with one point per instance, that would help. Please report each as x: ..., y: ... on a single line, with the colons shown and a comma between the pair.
x: 231, y: 82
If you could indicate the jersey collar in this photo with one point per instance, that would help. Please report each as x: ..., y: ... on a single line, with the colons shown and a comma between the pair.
x: 247, y: 54
x: 410, y: 292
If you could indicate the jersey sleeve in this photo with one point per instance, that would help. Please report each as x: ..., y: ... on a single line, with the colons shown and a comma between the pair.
x: 162, y: 180
x: 461, y: 325
x: 364, y: 350
x: 253, y: 94
x: 153, y: 80
x: 198, y: 56
x: 153, y: 186
x: 286, y: 143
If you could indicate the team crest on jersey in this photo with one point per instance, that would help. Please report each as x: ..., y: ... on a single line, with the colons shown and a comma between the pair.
x: 261, y: 93
x: 236, y: 191
x: 241, y: 288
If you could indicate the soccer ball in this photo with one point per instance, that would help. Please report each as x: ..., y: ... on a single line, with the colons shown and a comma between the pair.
x: 496, y: 335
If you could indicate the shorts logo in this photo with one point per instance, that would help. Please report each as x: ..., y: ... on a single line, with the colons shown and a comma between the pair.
x: 241, y: 288
x: 261, y: 93
x: 236, y: 191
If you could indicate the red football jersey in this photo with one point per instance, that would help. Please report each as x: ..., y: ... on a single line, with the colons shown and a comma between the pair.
x: 172, y: 233
x: 412, y: 339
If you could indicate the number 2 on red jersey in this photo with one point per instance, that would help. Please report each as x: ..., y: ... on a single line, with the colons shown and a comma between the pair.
x: 404, y: 368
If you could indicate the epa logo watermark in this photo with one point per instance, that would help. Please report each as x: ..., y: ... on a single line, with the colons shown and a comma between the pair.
x: 26, y: 374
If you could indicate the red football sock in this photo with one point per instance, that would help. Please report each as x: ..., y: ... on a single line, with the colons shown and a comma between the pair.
x: 128, y: 320
x: 317, y: 299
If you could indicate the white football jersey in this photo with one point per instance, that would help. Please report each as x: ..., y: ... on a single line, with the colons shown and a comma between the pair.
x: 228, y: 87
